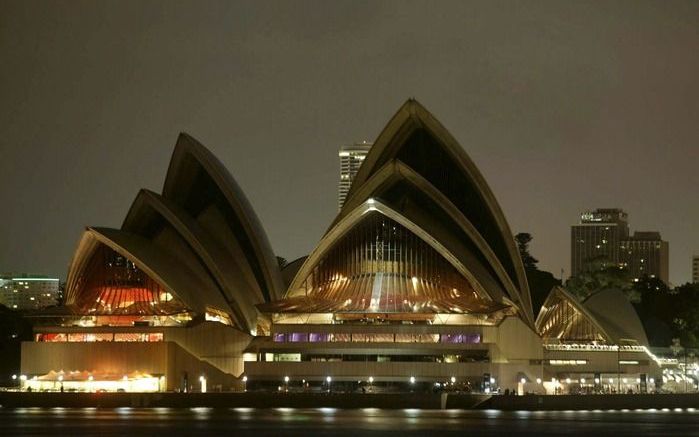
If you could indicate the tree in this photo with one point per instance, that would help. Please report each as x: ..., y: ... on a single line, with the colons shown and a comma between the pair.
x: 540, y: 282
x: 282, y: 262
x: 523, y: 239
x: 602, y: 275
x: 14, y: 329
x: 668, y: 314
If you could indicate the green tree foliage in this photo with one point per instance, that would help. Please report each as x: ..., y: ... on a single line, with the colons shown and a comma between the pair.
x: 540, y: 282
x: 602, y: 275
x: 669, y: 314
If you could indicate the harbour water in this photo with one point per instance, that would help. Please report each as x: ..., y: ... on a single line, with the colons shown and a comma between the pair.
x: 330, y: 421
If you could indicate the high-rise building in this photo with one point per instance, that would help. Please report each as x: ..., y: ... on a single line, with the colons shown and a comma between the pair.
x: 596, y: 239
x: 602, y: 239
x: 695, y: 269
x: 646, y: 254
x: 351, y: 158
x: 28, y: 292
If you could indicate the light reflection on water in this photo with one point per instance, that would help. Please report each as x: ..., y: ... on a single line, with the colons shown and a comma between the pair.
x: 303, y: 421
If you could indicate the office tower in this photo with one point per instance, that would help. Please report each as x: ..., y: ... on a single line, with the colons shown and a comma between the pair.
x: 351, y: 158
x: 645, y: 254
x: 595, y: 241
x: 28, y: 292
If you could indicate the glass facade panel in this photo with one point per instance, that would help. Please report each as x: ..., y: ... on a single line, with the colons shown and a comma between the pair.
x: 460, y: 338
x: 88, y: 337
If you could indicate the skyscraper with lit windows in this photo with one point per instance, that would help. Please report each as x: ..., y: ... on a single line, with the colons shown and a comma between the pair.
x: 596, y: 239
x: 602, y: 239
x: 28, y: 292
x: 351, y: 158
x: 646, y: 254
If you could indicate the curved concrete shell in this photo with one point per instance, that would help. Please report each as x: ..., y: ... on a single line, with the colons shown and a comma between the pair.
x: 200, y: 241
x: 406, y: 191
x: 433, y: 160
x: 183, y: 284
x: 419, y: 277
x: 152, y: 215
x: 563, y: 318
x: 199, y: 184
x: 616, y: 313
x: 607, y: 316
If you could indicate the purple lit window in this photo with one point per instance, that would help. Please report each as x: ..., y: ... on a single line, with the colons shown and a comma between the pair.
x: 318, y: 337
x: 279, y: 338
x: 461, y: 338
x: 296, y: 337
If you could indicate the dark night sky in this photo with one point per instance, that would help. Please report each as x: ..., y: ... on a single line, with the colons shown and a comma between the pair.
x: 564, y: 106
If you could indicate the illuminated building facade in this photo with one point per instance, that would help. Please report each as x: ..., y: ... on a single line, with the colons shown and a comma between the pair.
x: 28, y: 292
x: 167, y: 299
x: 416, y: 282
x: 602, y: 239
x: 351, y: 158
x: 598, y: 345
x: 646, y: 254
x: 595, y: 240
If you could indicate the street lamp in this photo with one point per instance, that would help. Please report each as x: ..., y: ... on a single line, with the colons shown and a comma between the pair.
x: 14, y: 377
x: 371, y: 380
x: 202, y: 380
x: 538, y: 380
x: 412, y: 380
x: 453, y: 379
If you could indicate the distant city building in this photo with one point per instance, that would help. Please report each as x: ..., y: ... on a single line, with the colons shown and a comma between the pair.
x: 28, y: 292
x: 602, y: 239
x: 695, y: 269
x: 351, y: 158
x: 646, y: 254
x: 597, y: 238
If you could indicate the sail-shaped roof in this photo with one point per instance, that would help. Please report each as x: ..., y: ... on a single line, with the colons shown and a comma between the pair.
x: 563, y: 318
x: 375, y: 260
x: 201, y: 185
x: 615, y: 312
x: 141, y: 280
x: 174, y: 231
x: 199, y: 243
x: 417, y: 174
x: 414, y: 137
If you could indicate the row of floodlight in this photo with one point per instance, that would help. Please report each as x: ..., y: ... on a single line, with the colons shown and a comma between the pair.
x: 370, y: 380
x: 597, y: 380
x: 60, y: 378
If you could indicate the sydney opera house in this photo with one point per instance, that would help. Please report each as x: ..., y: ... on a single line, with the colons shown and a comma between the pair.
x: 417, y: 282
